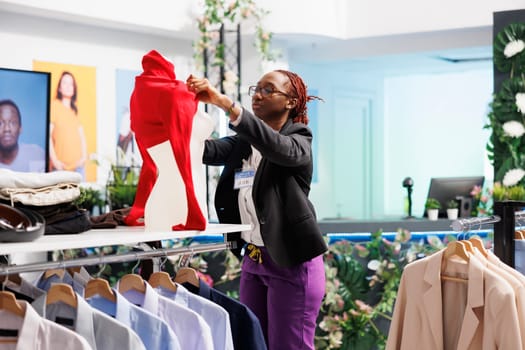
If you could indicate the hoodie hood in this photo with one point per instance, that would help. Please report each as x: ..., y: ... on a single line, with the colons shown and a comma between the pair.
x: 154, y: 64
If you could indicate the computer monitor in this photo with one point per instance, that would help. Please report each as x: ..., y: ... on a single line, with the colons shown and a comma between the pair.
x: 447, y: 188
x: 28, y: 93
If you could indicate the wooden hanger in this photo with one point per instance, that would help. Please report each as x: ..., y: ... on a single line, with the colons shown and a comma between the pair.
x: 187, y: 274
x: 61, y: 292
x: 131, y: 281
x: 9, y: 303
x: 15, y: 278
x: 518, y: 234
x: 469, y: 247
x: 455, y: 248
x: 478, y: 243
x: 99, y: 286
x: 72, y: 270
x: 162, y: 279
x: 59, y: 272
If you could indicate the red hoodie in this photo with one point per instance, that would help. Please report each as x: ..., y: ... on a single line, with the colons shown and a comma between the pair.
x: 162, y: 108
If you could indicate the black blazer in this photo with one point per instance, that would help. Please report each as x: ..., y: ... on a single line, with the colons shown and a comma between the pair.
x: 281, y: 186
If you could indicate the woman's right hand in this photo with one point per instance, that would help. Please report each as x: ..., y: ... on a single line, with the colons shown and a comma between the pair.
x: 204, y: 90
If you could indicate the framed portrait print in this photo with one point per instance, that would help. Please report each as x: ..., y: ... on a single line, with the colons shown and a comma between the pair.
x: 24, y: 120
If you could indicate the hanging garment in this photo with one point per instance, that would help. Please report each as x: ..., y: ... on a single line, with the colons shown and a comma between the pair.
x: 152, y: 330
x: 101, y: 331
x: 190, y: 328
x: 477, y: 314
x: 162, y: 109
x: 46, y: 279
x: 495, y: 260
x: 519, y: 255
x: 35, y: 332
x: 517, y: 286
x: 215, y: 316
x: 246, y: 330
x: 25, y: 290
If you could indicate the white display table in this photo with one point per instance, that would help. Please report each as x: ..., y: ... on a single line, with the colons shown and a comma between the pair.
x: 123, y: 235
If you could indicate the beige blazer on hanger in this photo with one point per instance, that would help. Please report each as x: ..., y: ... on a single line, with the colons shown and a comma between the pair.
x: 487, y: 302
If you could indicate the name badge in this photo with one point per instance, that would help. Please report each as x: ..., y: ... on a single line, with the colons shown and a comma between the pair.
x: 243, y: 178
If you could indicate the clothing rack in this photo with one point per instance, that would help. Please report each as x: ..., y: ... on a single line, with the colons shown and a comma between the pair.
x: 467, y: 224
x: 107, y: 259
x: 504, y: 230
x: 119, y: 236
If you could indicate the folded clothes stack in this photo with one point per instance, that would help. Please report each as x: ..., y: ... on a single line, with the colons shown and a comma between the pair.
x: 50, y: 195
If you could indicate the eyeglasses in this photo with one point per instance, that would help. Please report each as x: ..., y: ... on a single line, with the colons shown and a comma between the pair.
x: 264, y: 91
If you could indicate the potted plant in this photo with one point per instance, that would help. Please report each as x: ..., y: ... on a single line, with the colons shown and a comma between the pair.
x: 90, y: 199
x: 432, y: 206
x: 452, y: 209
x: 122, y: 186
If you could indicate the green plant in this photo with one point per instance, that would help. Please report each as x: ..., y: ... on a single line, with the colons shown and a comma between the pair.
x: 432, y: 203
x: 506, y: 146
x: 484, y: 200
x: 217, y: 13
x: 89, y: 198
x: 122, y: 186
x: 452, y: 204
x: 362, y: 280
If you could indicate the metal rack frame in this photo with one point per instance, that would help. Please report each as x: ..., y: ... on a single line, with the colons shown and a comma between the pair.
x: 468, y: 224
x: 106, y: 259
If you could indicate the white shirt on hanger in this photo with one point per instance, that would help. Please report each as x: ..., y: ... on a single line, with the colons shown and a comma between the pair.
x: 37, y: 333
x: 101, y: 331
x: 215, y: 316
x: 190, y: 328
x: 152, y: 330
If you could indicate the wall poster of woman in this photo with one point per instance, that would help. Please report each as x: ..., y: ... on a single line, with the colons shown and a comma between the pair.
x: 73, y: 119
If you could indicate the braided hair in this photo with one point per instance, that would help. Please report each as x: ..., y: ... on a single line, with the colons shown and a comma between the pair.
x: 298, y: 91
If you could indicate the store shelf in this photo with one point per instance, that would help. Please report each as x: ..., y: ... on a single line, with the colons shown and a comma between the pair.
x: 121, y: 235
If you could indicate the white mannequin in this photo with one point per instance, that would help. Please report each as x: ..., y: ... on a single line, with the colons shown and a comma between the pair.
x: 203, y: 126
x: 167, y: 205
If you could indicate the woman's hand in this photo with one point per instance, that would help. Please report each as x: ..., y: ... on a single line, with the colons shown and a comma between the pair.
x: 204, y: 90
x: 208, y: 94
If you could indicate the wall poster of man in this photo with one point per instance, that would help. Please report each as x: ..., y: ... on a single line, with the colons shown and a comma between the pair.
x: 24, y: 118
x: 73, y: 118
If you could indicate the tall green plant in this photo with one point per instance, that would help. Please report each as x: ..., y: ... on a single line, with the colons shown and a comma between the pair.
x: 506, y: 120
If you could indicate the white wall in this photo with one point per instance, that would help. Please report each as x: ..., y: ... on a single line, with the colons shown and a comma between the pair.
x: 330, y: 81
x: 433, y: 128
x: 423, y: 125
x: 29, y: 38
x: 334, y: 18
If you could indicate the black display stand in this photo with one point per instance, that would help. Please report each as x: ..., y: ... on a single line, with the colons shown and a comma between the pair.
x: 504, y: 230
x: 227, y: 46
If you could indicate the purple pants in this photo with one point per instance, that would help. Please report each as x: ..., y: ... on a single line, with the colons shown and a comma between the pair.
x: 286, y: 300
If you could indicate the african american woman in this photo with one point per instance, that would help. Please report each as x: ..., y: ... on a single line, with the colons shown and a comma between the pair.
x: 265, y: 182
